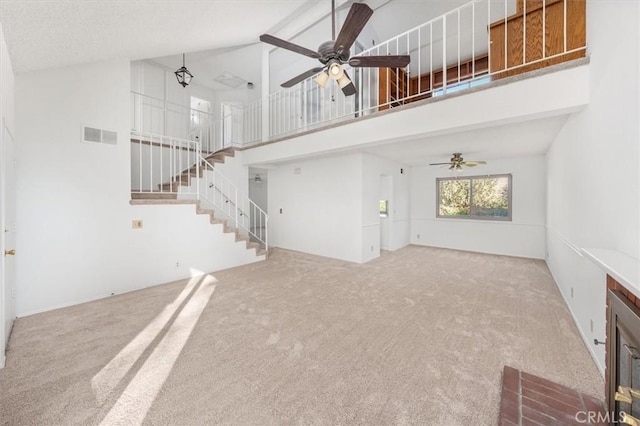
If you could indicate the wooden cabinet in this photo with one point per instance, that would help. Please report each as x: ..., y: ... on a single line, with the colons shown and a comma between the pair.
x: 535, y: 32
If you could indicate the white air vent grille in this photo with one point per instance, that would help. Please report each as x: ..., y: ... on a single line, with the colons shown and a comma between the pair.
x: 91, y: 134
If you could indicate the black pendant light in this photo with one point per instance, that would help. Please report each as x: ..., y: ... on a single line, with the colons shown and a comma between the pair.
x: 183, y: 75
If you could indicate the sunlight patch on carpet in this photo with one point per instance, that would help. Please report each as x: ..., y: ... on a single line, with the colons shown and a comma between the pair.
x: 110, y: 376
x: 137, y: 398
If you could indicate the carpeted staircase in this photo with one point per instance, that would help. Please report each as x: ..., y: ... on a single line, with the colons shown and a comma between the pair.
x: 169, y: 191
x: 169, y: 195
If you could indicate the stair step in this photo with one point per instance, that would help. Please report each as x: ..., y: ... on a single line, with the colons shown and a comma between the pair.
x: 229, y: 152
x: 154, y: 196
x: 215, y: 158
x: 160, y: 201
x: 173, y: 186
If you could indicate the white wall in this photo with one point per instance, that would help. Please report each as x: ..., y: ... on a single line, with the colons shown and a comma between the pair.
x: 331, y: 207
x: 397, y: 222
x: 523, y: 236
x: 75, y: 234
x: 321, y: 202
x: 593, y: 179
x: 6, y: 125
x: 258, y: 191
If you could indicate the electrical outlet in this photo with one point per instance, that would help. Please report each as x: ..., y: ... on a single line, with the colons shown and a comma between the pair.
x: 371, y: 248
x: 177, y: 264
x: 572, y: 292
x: 418, y: 236
x: 280, y: 211
x: 136, y: 224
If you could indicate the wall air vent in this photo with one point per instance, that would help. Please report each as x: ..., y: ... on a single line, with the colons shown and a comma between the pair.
x: 91, y: 134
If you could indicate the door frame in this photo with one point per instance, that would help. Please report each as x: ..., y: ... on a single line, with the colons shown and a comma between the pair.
x: 7, y: 279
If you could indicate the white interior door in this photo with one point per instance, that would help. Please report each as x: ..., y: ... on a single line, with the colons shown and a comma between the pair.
x: 231, y: 124
x: 201, y: 123
x: 7, y: 240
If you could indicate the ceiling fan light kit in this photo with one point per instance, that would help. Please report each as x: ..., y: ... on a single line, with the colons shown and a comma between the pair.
x: 322, y: 79
x: 335, y: 70
x: 333, y: 54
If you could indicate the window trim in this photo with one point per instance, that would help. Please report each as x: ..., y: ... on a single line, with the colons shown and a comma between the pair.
x: 508, y: 218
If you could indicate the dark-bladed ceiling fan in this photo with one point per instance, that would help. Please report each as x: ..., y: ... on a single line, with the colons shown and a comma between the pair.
x: 336, y: 52
x: 457, y: 162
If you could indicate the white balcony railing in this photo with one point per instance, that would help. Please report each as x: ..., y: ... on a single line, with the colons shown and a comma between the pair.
x: 473, y: 44
x: 158, y: 162
x: 236, y: 126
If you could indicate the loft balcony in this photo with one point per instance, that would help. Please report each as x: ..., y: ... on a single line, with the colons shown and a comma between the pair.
x: 486, y: 49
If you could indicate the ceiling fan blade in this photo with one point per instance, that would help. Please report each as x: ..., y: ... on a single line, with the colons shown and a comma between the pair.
x: 297, y: 79
x: 349, y: 89
x: 439, y: 164
x: 357, y: 18
x: 473, y: 163
x: 389, y: 61
x: 266, y: 38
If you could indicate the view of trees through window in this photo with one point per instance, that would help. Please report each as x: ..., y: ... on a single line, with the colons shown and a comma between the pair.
x: 384, y: 208
x: 475, y: 197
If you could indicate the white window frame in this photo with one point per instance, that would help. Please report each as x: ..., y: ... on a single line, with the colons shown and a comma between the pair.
x: 507, y: 218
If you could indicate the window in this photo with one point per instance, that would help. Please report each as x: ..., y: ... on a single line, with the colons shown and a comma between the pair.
x: 475, y: 197
x: 384, y: 208
x: 456, y: 87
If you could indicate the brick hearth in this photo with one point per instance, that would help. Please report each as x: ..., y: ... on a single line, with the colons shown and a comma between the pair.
x: 531, y: 400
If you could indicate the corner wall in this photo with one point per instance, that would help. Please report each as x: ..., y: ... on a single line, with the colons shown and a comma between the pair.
x: 593, y: 180
x: 397, y: 222
x: 321, y: 205
x: 75, y: 235
x: 522, y: 236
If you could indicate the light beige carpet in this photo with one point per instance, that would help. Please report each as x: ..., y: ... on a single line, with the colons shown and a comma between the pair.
x: 418, y: 336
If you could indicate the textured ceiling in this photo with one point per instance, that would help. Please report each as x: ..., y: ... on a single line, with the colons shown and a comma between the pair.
x: 44, y: 34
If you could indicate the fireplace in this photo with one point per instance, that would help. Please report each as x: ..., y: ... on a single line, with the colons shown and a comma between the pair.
x: 623, y: 350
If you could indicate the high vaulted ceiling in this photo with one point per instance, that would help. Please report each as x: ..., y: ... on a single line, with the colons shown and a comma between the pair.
x: 45, y: 34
